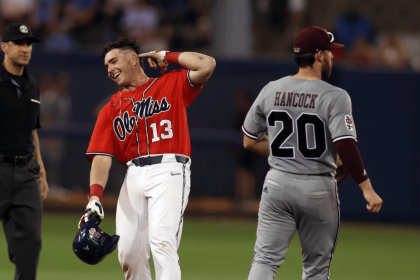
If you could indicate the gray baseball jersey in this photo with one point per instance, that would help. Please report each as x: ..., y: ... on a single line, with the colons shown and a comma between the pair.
x: 302, y: 118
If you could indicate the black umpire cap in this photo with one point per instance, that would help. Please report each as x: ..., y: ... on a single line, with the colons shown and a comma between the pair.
x: 18, y: 31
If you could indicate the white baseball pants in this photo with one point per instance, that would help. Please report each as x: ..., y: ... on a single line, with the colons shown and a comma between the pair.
x: 149, y: 217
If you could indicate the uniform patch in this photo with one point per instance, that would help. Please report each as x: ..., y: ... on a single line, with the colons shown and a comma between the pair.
x: 349, y: 122
x: 23, y: 29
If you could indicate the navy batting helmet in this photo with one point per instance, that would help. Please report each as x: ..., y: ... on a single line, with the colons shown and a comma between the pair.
x: 91, y: 244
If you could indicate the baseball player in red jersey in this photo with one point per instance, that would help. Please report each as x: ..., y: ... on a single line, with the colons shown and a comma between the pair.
x: 144, y: 126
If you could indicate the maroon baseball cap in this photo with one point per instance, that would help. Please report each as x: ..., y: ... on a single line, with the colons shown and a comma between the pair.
x: 313, y: 39
x: 18, y: 31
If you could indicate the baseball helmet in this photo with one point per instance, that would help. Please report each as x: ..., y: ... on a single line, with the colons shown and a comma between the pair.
x: 91, y: 244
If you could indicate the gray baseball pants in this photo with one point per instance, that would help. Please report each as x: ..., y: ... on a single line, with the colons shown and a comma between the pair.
x: 290, y: 202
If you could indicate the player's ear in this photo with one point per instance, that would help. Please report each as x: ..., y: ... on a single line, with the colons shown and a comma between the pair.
x: 318, y: 56
x: 4, y: 47
x: 134, y: 59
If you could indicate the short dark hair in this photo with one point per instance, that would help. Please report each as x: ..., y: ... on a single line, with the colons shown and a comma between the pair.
x: 123, y: 44
x: 305, y: 60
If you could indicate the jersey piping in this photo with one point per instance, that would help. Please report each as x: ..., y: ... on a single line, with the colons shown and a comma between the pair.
x: 137, y: 129
x: 137, y: 126
x: 249, y: 134
x: 149, y: 120
x: 189, y: 80
x: 344, y: 137
x: 145, y: 122
x: 100, y: 154
x: 182, y: 202
x: 338, y: 229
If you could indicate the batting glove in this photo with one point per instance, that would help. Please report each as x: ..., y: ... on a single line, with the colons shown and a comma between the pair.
x: 156, y: 60
x: 94, y: 207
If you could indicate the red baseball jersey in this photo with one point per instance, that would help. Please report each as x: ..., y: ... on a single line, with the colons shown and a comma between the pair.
x: 150, y: 120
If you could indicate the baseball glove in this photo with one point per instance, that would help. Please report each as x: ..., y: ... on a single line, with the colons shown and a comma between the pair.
x: 156, y: 60
x: 341, y: 172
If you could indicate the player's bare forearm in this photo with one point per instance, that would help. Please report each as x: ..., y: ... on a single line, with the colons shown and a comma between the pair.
x: 99, y: 171
x: 43, y: 185
x: 260, y: 147
x: 374, y: 201
x: 201, y: 66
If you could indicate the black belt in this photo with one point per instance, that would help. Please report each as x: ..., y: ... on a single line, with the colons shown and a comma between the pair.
x: 142, y: 161
x: 326, y: 174
x: 16, y: 160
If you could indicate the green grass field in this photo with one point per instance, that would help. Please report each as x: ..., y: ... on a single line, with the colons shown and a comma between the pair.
x: 222, y: 249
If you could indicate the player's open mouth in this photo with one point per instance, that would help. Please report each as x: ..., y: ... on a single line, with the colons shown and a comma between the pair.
x: 116, y: 75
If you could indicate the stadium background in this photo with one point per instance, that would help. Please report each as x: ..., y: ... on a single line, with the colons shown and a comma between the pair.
x: 251, y: 41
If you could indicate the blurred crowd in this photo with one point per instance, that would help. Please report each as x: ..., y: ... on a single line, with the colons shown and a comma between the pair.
x: 364, y: 46
x: 84, y: 25
x: 55, y: 114
x: 74, y: 25
x: 277, y: 23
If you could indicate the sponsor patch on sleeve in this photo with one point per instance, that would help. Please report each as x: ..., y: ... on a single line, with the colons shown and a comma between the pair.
x: 349, y: 122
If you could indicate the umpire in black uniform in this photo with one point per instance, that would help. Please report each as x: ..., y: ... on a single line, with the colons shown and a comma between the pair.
x: 23, y: 182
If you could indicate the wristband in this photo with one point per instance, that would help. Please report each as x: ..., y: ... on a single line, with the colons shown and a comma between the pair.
x: 96, y: 190
x: 172, y: 57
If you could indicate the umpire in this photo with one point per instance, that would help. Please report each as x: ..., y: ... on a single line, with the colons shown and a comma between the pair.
x: 22, y: 175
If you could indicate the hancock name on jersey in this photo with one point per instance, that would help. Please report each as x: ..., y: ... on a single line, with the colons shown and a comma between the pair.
x: 291, y: 99
x: 145, y: 108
